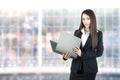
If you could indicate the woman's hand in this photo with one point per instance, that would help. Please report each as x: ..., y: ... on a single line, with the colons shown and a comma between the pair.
x: 66, y: 55
x: 77, y: 50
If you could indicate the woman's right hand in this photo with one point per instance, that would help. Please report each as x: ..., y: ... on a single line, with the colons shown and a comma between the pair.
x: 66, y: 56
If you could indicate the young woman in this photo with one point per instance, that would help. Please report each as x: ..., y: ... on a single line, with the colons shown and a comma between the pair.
x: 85, y: 67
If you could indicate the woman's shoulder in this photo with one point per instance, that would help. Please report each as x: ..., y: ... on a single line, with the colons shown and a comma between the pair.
x: 100, y: 33
x: 76, y: 32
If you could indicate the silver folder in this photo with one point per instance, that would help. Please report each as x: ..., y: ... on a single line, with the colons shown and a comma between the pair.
x: 67, y: 42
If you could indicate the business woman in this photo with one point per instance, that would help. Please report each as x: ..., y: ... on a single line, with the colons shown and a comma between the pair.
x: 85, y: 67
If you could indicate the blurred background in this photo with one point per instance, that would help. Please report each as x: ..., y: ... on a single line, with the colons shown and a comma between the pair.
x: 26, y: 27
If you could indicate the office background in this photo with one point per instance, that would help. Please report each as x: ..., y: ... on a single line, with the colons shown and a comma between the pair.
x: 25, y: 51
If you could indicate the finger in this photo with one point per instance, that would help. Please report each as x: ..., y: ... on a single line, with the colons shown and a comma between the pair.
x: 74, y: 49
x: 77, y: 47
x: 63, y: 54
x: 67, y: 55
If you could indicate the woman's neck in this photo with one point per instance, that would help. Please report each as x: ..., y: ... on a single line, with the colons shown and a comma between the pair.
x: 87, y: 30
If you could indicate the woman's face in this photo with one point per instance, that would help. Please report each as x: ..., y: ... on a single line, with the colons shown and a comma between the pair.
x: 86, y: 20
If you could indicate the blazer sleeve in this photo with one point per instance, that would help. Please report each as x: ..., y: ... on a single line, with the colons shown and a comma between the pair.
x: 89, y: 53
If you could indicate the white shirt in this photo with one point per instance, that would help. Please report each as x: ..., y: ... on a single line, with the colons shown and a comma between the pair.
x: 84, y: 37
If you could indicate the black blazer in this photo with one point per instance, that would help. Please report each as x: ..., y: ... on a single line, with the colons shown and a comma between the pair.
x: 88, y: 61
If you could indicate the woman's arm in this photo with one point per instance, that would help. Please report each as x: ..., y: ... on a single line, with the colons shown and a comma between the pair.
x: 89, y: 53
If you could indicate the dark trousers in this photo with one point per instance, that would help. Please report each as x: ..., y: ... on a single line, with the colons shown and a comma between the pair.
x: 82, y: 76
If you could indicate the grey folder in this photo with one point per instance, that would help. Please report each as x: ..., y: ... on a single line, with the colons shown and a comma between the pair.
x: 53, y: 46
x: 67, y: 42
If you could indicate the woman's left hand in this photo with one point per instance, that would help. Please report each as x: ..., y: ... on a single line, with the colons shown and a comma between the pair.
x: 77, y: 50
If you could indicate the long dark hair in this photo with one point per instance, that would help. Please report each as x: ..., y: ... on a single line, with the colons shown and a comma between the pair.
x: 92, y: 28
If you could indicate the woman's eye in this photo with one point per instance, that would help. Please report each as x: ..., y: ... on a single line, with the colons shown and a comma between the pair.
x: 83, y: 19
x: 88, y: 18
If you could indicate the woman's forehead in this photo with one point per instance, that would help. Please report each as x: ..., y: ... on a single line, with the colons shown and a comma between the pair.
x: 84, y: 15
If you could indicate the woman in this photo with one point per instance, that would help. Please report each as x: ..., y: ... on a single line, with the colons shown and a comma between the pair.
x: 85, y: 67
